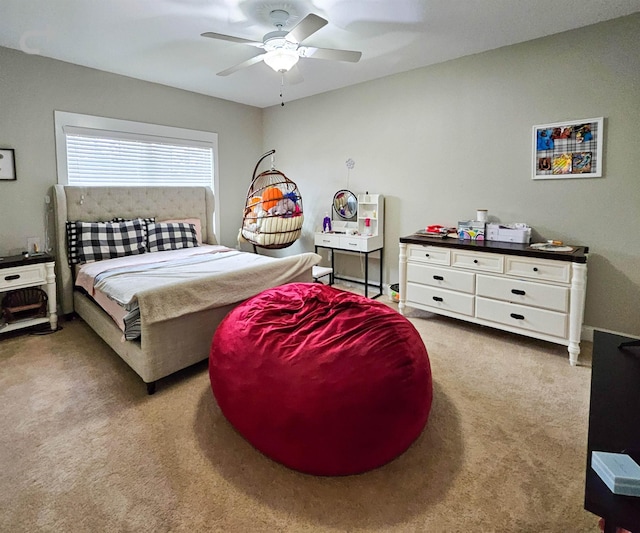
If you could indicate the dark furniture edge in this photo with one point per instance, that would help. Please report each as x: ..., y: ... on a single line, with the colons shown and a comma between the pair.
x: 579, y: 255
x: 18, y: 260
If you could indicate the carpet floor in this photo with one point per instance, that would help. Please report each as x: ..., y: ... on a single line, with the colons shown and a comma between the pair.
x: 84, y: 448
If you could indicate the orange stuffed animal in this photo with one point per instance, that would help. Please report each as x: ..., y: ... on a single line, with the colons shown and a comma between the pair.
x: 270, y: 197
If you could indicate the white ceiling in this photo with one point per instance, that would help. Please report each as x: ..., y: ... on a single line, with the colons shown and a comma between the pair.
x: 159, y: 40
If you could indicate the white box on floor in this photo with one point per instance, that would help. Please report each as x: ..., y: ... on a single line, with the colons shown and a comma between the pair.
x: 619, y: 472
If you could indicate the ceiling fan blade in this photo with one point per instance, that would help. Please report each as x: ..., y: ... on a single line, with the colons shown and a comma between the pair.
x: 231, y: 38
x: 308, y: 25
x: 328, y: 53
x: 244, y: 64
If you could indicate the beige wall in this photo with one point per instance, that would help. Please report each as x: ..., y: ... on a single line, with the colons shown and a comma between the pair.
x: 32, y: 87
x: 442, y: 141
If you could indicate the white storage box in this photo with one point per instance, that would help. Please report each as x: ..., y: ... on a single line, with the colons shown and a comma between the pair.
x: 508, y: 233
x: 619, y: 472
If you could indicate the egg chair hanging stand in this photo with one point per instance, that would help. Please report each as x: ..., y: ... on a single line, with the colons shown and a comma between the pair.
x: 273, y: 213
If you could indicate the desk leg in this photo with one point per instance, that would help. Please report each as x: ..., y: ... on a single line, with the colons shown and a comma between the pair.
x: 333, y: 267
x: 402, y: 271
x: 380, y: 278
x: 366, y: 274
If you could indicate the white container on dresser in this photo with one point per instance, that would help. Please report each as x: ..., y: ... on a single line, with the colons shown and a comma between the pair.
x: 503, y: 285
x: 17, y: 272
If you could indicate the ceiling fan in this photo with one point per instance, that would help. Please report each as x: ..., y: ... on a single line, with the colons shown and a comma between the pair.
x: 283, y: 49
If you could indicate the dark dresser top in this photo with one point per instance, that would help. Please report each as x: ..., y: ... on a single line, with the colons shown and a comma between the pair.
x: 18, y: 260
x: 578, y: 255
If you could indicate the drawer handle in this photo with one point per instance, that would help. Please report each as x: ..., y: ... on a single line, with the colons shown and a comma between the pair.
x: 437, y: 299
x: 353, y: 244
x: 518, y: 291
x: 426, y: 255
x: 535, y: 269
x: 517, y: 317
x: 475, y: 261
x: 12, y: 277
x: 439, y: 278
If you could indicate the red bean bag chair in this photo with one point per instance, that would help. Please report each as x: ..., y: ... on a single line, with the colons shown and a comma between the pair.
x: 323, y: 381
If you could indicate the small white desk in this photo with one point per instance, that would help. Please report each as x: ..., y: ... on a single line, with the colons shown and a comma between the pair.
x: 360, y: 244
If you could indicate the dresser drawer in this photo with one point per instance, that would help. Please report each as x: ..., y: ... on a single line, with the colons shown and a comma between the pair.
x: 428, y: 254
x: 541, y: 269
x: 524, y: 292
x: 359, y: 244
x: 442, y: 278
x: 22, y: 276
x: 477, y: 261
x: 520, y: 316
x: 440, y: 299
x: 330, y: 240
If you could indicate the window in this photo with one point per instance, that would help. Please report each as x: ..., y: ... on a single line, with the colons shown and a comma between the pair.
x: 102, y: 151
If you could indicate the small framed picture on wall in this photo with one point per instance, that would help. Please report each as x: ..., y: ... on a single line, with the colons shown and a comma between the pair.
x: 569, y: 149
x: 7, y: 164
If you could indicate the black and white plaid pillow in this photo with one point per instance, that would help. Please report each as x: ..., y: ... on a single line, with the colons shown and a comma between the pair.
x: 163, y: 236
x: 105, y: 240
x: 72, y: 237
x: 147, y: 220
x: 72, y: 243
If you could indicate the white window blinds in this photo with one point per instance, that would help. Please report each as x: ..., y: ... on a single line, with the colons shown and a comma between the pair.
x: 110, y: 159
x: 102, y: 151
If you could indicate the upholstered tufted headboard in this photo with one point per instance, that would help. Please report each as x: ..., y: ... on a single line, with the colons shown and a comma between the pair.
x: 91, y: 204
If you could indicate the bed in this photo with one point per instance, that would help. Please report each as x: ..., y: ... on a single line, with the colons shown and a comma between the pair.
x: 170, y: 340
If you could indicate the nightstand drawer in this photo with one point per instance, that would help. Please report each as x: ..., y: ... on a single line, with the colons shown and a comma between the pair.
x: 524, y: 292
x: 440, y: 299
x: 22, y: 276
x: 521, y: 316
x: 477, y: 261
x: 428, y: 254
x: 442, y: 278
x: 539, y: 269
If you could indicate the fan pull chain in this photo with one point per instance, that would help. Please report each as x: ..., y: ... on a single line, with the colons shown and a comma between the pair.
x: 282, y: 90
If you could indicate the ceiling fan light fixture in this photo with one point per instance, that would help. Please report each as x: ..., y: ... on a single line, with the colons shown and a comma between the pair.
x: 281, y: 60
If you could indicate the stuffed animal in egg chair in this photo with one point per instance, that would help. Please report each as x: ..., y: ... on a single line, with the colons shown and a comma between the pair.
x: 285, y: 208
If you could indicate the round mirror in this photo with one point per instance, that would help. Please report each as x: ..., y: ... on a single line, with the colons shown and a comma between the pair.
x: 345, y: 204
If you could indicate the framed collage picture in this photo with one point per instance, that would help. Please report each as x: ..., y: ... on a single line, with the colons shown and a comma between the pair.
x: 569, y: 149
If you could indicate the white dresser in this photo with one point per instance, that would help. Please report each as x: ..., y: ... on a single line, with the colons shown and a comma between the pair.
x: 503, y: 285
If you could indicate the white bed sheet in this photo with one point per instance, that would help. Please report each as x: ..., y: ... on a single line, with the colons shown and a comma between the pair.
x: 85, y: 275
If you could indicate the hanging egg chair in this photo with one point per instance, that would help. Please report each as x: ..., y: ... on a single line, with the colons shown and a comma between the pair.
x: 273, y: 215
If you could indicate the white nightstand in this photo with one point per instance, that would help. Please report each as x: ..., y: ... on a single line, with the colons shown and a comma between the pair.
x: 17, y: 272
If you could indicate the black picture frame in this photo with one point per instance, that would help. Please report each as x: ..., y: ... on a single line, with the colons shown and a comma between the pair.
x: 7, y: 164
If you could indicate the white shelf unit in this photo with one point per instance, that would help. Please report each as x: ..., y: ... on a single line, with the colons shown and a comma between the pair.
x: 371, y: 209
